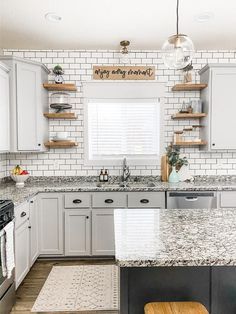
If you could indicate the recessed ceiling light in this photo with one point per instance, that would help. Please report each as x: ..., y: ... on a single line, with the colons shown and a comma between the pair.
x: 52, y: 17
x: 204, y: 17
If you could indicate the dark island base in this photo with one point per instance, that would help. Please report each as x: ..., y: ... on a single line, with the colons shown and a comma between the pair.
x: 215, y: 287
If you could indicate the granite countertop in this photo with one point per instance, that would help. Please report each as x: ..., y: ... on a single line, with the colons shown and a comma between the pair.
x: 90, y: 184
x: 161, y: 237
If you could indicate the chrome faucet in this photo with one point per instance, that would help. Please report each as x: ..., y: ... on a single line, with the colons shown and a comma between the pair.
x: 125, y: 171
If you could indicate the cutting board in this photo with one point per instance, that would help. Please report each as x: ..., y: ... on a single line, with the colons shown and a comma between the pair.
x: 165, y: 168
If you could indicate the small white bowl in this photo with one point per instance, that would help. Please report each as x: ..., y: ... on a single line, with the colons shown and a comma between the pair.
x: 20, y: 179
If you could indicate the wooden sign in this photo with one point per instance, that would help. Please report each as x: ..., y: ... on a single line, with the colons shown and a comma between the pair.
x: 123, y: 72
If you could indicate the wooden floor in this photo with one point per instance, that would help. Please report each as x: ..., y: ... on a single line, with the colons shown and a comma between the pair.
x: 28, y: 291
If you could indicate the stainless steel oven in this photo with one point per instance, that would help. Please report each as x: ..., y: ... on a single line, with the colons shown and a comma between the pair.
x: 7, y: 285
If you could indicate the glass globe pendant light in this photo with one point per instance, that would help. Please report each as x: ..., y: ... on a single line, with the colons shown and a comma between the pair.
x: 178, y: 50
x: 124, y: 51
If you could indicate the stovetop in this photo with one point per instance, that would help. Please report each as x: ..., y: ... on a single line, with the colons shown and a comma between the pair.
x: 6, y: 212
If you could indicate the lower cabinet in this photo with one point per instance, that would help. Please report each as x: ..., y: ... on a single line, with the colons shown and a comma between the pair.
x: 22, y: 245
x: 78, y: 232
x: 50, y: 224
x: 103, y: 238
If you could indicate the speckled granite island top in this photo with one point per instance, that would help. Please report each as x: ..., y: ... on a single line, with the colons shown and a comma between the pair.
x: 89, y: 184
x: 173, y: 237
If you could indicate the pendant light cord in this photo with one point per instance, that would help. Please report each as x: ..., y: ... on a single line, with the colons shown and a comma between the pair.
x: 177, y: 18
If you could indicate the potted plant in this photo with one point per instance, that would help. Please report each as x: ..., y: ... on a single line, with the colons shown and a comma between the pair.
x: 58, y: 71
x: 175, y: 161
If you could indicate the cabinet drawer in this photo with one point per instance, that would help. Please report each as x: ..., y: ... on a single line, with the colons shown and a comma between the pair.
x: 113, y: 199
x: 77, y: 200
x: 146, y: 199
x: 21, y: 213
x: 228, y: 199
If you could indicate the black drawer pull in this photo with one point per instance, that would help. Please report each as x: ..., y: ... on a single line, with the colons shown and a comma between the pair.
x: 77, y: 201
x: 144, y: 201
x: 23, y: 214
x: 109, y: 201
x: 87, y: 217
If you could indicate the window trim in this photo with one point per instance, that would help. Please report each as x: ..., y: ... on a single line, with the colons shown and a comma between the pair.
x: 159, y: 90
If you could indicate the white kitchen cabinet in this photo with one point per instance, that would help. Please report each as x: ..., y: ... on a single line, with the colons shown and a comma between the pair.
x: 22, y: 242
x: 227, y: 199
x: 78, y: 232
x: 33, y: 228
x: 103, y: 238
x: 4, y: 109
x: 219, y: 104
x: 50, y: 224
x: 28, y: 102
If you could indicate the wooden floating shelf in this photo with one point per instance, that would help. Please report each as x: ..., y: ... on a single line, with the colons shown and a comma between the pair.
x: 188, y: 115
x: 60, y: 87
x: 61, y: 144
x: 60, y: 115
x: 193, y: 143
x: 188, y: 87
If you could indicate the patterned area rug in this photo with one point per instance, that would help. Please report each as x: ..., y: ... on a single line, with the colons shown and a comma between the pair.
x: 79, y: 288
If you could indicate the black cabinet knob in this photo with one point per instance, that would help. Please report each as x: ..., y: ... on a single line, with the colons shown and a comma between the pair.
x: 39, y: 144
x: 109, y: 201
x: 87, y: 217
x: 144, y: 201
x: 29, y: 227
x: 23, y: 214
x: 31, y: 202
x: 213, y: 144
x: 77, y: 201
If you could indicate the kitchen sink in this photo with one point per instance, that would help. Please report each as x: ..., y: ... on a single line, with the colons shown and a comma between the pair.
x: 126, y: 185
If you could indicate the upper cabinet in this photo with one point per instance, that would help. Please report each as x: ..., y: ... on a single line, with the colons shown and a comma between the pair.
x: 28, y: 102
x: 4, y: 109
x: 219, y: 104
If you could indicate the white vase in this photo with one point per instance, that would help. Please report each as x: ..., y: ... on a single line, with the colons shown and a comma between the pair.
x: 174, y: 176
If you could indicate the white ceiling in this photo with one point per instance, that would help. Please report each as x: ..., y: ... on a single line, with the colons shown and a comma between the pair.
x: 102, y: 24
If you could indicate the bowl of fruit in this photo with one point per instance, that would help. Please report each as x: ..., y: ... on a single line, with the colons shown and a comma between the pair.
x: 19, y: 176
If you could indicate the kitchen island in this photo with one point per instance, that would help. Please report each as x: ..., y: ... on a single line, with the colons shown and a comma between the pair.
x: 176, y: 255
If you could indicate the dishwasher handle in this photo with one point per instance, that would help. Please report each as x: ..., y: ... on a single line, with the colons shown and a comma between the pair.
x: 191, y: 194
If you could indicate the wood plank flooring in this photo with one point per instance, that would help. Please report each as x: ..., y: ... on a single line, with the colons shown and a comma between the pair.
x: 29, y: 289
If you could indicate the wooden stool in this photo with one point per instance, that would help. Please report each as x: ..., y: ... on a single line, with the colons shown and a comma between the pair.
x: 175, y: 308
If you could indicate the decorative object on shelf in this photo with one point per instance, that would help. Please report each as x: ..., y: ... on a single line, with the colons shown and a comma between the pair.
x: 69, y: 87
x: 188, y: 87
x: 177, y: 136
x: 190, y: 109
x: 60, y: 101
x: 19, y: 176
x: 123, y: 72
x: 60, y: 137
x: 187, y: 73
x: 124, y: 51
x: 58, y: 71
x: 184, y: 108
x: 175, y: 161
x: 196, y: 105
x: 178, y: 50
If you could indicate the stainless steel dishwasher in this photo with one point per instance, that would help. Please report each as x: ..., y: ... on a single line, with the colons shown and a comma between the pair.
x: 191, y: 200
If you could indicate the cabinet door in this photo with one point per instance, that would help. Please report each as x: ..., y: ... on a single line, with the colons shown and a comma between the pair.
x: 77, y: 232
x: 22, y: 252
x: 4, y: 111
x: 50, y: 224
x: 103, y: 239
x: 34, y: 239
x: 223, y: 109
x: 27, y: 98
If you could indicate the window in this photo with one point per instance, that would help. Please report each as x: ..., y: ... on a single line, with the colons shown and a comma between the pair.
x: 119, y: 126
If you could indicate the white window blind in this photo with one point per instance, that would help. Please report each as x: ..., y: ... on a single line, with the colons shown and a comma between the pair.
x: 118, y: 127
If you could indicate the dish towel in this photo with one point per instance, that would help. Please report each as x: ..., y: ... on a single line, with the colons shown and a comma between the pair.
x: 3, y: 252
x: 10, y: 258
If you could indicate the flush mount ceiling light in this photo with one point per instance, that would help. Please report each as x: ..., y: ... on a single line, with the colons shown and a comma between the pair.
x: 53, y: 17
x: 124, y: 51
x: 178, y: 50
x: 204, y: 17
